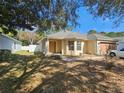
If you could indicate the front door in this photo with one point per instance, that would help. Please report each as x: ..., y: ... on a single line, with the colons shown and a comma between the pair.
x: 52, y: 47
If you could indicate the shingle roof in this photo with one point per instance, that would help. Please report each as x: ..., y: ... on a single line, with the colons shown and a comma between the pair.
x: 77, y: 35
x: 67, y: 35
x: 11, y: 38
x: 99, y: 37
x: 119, y: 38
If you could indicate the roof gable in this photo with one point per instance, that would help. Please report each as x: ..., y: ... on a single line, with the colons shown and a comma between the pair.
x: 11, y: 38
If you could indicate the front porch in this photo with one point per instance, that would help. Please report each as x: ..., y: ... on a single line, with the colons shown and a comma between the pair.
x: 55, y: 46
x: 65, y: 47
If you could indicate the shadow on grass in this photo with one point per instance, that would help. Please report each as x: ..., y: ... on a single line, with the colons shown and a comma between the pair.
x: 9, y: 81
x: 87, y: 76
x: 83, y: 78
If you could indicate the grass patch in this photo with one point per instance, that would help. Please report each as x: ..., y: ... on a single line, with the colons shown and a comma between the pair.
x: 24, y: 52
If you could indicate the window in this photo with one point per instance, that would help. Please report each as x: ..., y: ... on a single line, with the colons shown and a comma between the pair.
x: 71, y: 45
x: 78, y: 45
x: 122, y: 49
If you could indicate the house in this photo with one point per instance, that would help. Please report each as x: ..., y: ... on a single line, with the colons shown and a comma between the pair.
x: 102, y: 43
x: 74, y: 43
x: 9, y: 43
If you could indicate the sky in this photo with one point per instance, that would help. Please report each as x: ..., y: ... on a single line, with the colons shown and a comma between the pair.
x: 88, y: 22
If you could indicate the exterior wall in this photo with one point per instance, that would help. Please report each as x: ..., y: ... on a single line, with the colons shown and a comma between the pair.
x: 64, y: 47
x: 85, y: 47
x: 6, y: 43
x: 58, y: 46
x: 43, y: 46
x: 91, y: 47
x: 61, y: 47
x: 98, y: 48
x: 74, y: 52
x: 17, y: 46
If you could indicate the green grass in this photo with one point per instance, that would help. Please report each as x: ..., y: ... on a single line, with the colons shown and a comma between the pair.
x: 23, y: 52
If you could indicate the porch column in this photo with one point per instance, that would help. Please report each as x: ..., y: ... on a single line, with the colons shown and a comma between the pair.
x: 98, y: 48
x: 47, y: 46
x: 75, y: 47
x: 82, y: 47
x: 62, y: 47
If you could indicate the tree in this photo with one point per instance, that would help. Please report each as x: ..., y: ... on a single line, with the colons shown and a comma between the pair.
x: 113, y: 9
x: 60, y: 13
x: 115, y: 34
x: 28, y: 37
x: 92, y: 32
x: 102, y: 33
x: 43, y: 13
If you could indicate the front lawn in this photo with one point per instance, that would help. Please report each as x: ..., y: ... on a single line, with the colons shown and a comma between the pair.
x: 23, y: 52
x: 38, y: 74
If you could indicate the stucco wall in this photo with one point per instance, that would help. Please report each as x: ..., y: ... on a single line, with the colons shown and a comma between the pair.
x: 61, y: 47
x: 74, y: 52
x: 91, y: 47
x: 58, y: 46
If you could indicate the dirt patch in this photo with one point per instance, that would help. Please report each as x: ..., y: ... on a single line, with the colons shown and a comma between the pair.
x: 45, y: 75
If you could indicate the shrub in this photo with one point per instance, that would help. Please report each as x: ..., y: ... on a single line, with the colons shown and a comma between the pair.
x: 39, y: 54
x: 4, y: 54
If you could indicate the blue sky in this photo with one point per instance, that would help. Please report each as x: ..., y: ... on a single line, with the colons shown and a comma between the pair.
x: 88, y: 22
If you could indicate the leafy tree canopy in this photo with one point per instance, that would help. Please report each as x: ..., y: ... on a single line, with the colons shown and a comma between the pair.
x: 115, y: 34
x: 106, y: 8
x: 42, y: 13
x: 53, y: 13
x: 92, y: 32
x: 28, y: 37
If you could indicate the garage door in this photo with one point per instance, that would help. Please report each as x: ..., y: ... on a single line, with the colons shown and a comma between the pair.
x: 106, y: 46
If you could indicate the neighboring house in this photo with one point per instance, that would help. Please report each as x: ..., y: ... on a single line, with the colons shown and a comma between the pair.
x: 9, y: 43
x: 74, y: 43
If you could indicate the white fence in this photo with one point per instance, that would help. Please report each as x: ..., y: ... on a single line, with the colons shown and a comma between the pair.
x: 32, y: 48
x: 25, y: 48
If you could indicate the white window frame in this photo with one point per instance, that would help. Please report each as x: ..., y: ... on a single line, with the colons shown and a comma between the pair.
x: 78, y: 45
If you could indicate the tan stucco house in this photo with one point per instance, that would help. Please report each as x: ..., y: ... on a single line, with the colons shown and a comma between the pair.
x: 76, y: 44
